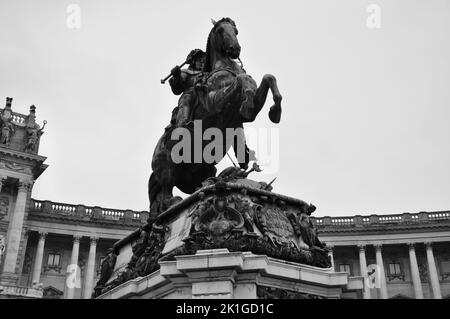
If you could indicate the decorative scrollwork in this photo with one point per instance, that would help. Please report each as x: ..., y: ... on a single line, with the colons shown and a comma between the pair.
x: 235, y: 218
x: 146, y: 253
x: 263, y: 292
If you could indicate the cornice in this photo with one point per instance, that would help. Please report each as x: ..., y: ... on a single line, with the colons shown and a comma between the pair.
x: 323, y: 230
x: 22, y: 155
x: 35, y: 161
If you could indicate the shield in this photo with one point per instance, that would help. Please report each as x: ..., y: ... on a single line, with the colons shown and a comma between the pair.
x: 272, y: 221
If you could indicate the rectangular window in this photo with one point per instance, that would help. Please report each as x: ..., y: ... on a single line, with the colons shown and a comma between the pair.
x: 53, y: 259
x: 394, y: 269
x: 345, y: 268
x: 395, y: 272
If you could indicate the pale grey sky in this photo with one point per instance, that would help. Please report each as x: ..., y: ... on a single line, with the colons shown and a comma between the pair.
x: 365, y: 126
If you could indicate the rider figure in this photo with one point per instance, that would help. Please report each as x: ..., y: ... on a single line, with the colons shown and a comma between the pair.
x: 183, y: 82
x: 186, y: 82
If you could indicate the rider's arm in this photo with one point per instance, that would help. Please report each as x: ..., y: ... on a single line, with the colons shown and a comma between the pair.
x: 177, y: 81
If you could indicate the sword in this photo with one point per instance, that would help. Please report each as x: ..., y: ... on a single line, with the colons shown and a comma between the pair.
x: 231, y: 159
x: 271, y: 182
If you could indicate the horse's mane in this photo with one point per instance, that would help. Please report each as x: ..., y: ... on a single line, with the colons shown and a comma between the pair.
x: 208, y: 67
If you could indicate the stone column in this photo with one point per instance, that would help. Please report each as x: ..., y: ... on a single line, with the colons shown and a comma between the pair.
x: 9, y: 274
x: 330, y: 253
x: 434, y: 279
x: 380, y: 264
x: 24, y: 250
x: 73, y: 284
x: 38, y: 260
x: 90, y: 271
x: 415, y: 275
x: 363, y: 270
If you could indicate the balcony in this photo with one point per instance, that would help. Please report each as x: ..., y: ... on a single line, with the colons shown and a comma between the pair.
x: 18, y: 292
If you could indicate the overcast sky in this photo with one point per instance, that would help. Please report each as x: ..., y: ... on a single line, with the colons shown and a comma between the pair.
x: 365, y: 124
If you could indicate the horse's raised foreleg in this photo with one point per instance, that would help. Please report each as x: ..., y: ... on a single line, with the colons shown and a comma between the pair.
x: 268, y: 82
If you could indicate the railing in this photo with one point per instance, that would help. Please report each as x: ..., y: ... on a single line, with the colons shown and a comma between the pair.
x: 342, y: 221
x: 382, y: 219
x: 113, y: 214
x: 390, y: 219
x: 318, y: 221
x: 439, y: 216
x: 400, y: 276
x: 17, y: 291
x: 37, y: 205
x: 63, y: 209
x: 18, y: 118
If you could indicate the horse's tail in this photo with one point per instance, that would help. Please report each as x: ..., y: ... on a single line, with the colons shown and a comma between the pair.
x: 154, y: 188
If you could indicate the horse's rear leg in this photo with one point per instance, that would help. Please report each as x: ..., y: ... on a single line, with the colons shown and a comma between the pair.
x: 269, y: 82
x: 154, y: 193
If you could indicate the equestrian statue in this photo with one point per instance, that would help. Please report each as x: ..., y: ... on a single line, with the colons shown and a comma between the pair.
x: 218, y: 93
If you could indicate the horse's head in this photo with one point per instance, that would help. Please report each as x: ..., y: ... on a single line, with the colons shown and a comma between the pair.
x: 224, y: 38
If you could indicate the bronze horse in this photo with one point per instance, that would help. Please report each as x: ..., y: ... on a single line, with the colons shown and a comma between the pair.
x: 226, y: 98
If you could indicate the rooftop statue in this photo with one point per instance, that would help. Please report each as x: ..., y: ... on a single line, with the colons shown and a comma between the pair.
x: 18, y: 131
x: 220, y: 94
x: 34, y: 131
x: 6, y: 126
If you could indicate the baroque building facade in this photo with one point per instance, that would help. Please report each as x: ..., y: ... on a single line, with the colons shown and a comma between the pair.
x: 54, y: 250
x: 409, y: 252
x: 47, y: 249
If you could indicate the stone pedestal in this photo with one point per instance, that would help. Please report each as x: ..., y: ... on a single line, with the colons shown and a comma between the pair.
x: 218, y: 273
x: 232, y: 238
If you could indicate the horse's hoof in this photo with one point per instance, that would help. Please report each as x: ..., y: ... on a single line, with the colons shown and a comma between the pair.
x: 275, y: 114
